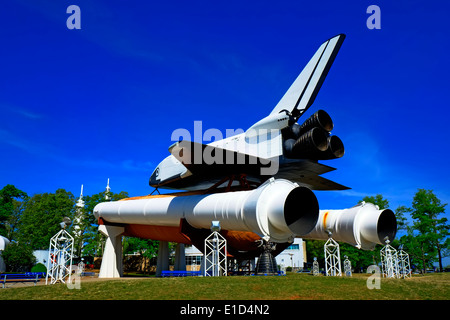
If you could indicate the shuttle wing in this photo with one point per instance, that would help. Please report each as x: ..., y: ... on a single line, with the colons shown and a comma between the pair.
x: 303, y: 91
x: 201, y: 159
x: 307, y: 173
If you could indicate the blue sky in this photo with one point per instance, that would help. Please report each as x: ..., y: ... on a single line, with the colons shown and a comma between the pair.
x: 81, y: 106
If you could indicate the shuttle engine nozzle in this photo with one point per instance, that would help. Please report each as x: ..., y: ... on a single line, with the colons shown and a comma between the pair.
x: 312, y: 139
x: 320, y: 119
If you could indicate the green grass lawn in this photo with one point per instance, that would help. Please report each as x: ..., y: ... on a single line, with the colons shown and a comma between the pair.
x: 290, y: 287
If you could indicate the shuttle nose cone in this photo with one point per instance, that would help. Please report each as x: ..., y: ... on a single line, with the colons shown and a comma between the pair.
x: 154, y: 178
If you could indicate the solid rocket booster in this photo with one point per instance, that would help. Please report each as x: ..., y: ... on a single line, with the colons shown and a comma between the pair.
x: 277, y: 211
x: 363, y: 226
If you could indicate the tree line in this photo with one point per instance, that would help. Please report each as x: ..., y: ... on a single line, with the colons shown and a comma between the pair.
x: 30, y: 222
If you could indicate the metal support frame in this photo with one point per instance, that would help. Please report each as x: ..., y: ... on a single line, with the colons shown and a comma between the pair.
x: 404, y: 268
x: 347, y: 267
x: 389, y: 261
x: 59, y: 262
x: 81, y: 267
x: 315, y: 269
x: 215, y: 262
x: 332, y: 258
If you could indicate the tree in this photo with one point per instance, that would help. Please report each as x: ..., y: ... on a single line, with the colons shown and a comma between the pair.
x: 42, y: 216
x: 147, y: 248
x: 314, y: 248
x: 432, y: 230
x: 401, y: 219
x: 421, y: 252
x: 378, y: 200
x: 18, y: 257
x: 10, y: 209
x: 360, y: 259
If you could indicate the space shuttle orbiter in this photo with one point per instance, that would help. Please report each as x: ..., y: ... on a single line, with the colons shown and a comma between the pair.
x: 257, y: 183
x: 276, y: 146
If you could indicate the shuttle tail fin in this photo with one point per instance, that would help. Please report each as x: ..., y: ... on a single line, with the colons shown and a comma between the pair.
x: 305, y: 88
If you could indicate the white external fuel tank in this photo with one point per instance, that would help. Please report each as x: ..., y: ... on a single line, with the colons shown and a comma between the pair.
x: 278, y: 210
x: 363, y: 226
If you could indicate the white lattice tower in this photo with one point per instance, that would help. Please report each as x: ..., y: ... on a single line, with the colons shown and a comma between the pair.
x: 332, y: 258
x: 389, y: 261
x: 347, y: 267
x: 315, y: 270
x: 215, y: 255
x: 403, y: 264
x: 60, y: 253
x: 78, y: 216
x: 108, y: 191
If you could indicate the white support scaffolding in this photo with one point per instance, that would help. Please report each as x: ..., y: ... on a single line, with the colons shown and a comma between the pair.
x: 332, y: 258
x: 215, y: 261
x: 389, y: 261
x: 315, y: 269
x: 347, y: 267
x: 81, y: 267
x: 404, y: 268
x: 59, y: 263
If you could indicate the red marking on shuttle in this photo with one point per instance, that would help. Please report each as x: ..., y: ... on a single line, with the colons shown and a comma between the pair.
x: 325, y: 220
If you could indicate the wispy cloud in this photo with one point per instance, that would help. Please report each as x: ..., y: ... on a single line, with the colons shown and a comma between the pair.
x: 23, y: 112
x: 11, y: 139
x: 28, y: 114
x: 107, y: 34
x: 123, y: 165
x: 132, y: 165
x: 355, y: 194
x: 52, y: 153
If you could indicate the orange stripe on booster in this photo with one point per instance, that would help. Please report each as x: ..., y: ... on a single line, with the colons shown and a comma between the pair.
x: 175, y: 194
x: 161, y: 233
x: 325, y: 220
